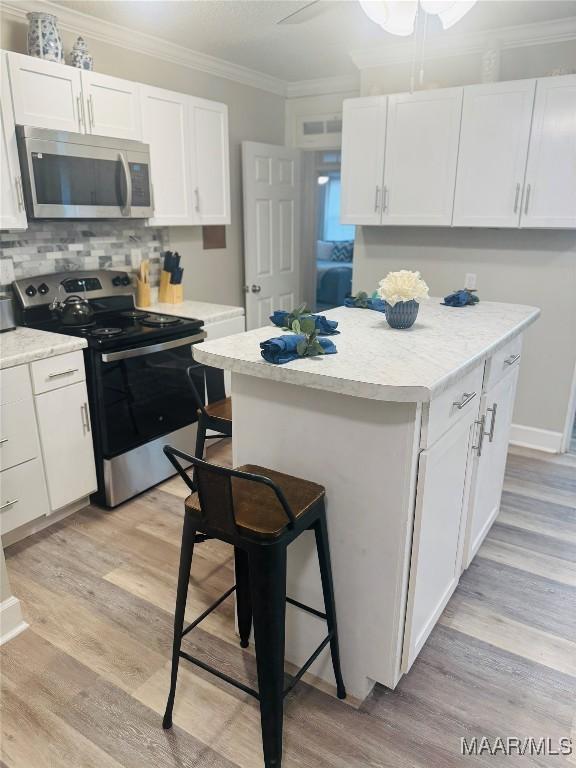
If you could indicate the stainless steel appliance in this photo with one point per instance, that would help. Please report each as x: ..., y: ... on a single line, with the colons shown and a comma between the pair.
x: 82, y: 176
x: 136, y: 363
x: 7, y: 322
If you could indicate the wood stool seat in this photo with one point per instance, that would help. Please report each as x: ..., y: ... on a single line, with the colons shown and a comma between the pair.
x: 257, y: 509
x: 221, y: 409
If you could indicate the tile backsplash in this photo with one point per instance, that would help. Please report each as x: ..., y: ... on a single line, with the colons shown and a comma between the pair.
x: 61, y: 246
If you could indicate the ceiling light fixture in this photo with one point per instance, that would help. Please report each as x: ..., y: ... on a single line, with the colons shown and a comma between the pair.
x: 399, y: 16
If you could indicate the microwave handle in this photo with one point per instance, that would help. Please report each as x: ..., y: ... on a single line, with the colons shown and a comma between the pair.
x: 126, y: 209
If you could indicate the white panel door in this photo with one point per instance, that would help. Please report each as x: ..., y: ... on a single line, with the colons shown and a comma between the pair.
x: 112, y: 106
x: 66, y: 440
x: 166, y: 128
x: 439, y: 526
x: 12, y: 210
x: 45, y: 94
x: 211, y: 164
x: 421, y: 152
x: 363, y: 144
x: 272, y: 194
x: 494, y: 137
x: 550, y: 193
x: 496, y: 407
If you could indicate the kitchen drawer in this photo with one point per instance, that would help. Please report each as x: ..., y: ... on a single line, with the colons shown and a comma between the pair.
x: 18, y: 437
x: 451, y: 405
x: 23, y: 495
x: 502, y: 362
x: 14, y: 384
x: 58, y: 371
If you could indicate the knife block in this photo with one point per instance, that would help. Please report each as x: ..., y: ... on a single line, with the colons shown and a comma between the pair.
x: 143, y: 298
x: 174, y: 294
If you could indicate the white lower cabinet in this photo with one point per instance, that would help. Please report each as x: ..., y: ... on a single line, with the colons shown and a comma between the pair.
x: 439, y: 525
x: 22, y: 495
x: 66, y: 438
x: 495, y: 419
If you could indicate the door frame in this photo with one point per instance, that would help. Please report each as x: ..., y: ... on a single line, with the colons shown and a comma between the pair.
x: 570, y: 416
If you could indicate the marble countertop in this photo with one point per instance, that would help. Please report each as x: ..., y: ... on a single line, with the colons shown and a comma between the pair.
x: 202, y: 310
x: 377, y: 362
x: 24, y: 345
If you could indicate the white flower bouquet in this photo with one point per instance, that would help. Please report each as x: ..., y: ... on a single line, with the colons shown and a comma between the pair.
x: 402, y: 286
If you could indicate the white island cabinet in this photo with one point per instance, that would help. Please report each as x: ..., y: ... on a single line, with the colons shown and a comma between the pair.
x: 407, y: 430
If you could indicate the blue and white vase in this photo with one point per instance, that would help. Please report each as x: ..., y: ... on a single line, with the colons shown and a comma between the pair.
x: 44, y: 39
x: 403, y: 314
x: 79, y: 55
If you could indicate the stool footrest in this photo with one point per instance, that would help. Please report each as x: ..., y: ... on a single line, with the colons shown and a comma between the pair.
x: 208, y: 611
x: 304, y: 668
x: 307, y: 608
x: 221, y: 675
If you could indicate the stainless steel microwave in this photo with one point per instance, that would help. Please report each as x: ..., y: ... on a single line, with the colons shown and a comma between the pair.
x: 81, y: 176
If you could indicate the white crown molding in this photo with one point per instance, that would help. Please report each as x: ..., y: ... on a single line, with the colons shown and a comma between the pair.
x: 526, y: 35
x: 107, y: 32
x: 323, y: 86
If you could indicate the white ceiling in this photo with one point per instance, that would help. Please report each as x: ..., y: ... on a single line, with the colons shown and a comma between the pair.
x: 245, y: 32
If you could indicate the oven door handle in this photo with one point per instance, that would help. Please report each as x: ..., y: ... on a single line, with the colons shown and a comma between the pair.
x: 125, y: 354
x: 127, y: 207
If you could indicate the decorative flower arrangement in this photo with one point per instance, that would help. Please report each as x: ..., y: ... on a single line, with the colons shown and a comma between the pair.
x: 402, y: 286
x: 402, y: 291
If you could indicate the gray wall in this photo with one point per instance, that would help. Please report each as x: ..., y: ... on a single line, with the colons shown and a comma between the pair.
x: 535, y: 267
x: 255, y: 115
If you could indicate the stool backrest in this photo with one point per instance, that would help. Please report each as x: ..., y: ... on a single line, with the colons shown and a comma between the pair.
x: 214, y: 485
x: 206, y: 384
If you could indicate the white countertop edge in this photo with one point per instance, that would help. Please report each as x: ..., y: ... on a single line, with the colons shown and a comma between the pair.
x: 33, y: 347
x: 400, y: 394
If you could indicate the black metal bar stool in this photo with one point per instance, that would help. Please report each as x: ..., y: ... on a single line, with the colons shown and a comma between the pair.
x: 216, y: 414
x: 260, y: 512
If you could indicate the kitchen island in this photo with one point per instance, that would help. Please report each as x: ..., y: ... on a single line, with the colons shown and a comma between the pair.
x: 408, y: 431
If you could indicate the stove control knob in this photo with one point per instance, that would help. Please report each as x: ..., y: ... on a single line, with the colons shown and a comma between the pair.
x: 125, y: 280
x: 117, y: 280
x: 30, y: 291
x: 43, y: 289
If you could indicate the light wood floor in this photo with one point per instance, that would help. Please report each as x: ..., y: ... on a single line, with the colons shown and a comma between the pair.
x: 86, y: 685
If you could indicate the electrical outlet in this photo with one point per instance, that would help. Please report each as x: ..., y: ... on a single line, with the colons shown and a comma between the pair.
x: 6, y: 271
x: 470, y: 281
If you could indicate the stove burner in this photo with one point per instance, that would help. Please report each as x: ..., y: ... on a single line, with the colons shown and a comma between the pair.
x: 107, y: 332
x: 134, y: 313
x: 160, y: 320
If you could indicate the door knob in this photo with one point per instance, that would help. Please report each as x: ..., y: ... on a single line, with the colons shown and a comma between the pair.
x: 256, y: 288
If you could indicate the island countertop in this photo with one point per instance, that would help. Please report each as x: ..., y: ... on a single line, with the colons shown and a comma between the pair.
x: 377, y: 362
x: 25, y: 345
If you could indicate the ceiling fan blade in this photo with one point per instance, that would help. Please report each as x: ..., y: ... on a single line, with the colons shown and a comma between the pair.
x: 302, y: 15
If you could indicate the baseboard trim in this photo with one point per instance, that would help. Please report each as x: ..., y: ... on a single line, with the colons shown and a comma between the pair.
x: 11, y: 621
x: 537, y: 439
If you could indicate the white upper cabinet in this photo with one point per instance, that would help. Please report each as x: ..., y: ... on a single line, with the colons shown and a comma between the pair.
x: 166, y: 128
x: 494, y: 139
x: 210, y: 162
x: 12, y: 210
x: 550, y: 192
x: 363, y: 143
x: 421, y: 153
x: 112, y: 106
x: 45, y: 94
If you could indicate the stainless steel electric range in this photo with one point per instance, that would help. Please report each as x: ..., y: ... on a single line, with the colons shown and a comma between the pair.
x: 136, y: 365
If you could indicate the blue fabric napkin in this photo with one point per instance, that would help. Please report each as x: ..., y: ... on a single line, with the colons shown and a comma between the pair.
x: 460, y: 298
x: 282, y: 349
x: 379, y: 305
x: 324, y: 326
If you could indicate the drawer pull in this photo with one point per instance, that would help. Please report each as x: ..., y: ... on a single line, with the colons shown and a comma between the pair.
x: 9, y: 503
x: 62, y: 373
x: 4, y: 440
x: 512, y: 359
x: 466, y: 398
x: 490, y: 434
x: 482, y: 424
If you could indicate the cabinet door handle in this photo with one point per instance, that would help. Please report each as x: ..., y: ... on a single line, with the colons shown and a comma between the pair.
x: 4, y: 440
x: 481, y: 424
x: 62, y: 373
x: 91, y: 117
x: 85, y: 417
x: 512, y: 359
x: 492, y: 410
x: 81, y: 116
x: 528, y: 190
x: 9, y: 503
x: 385, y: 198
x: 466, y: 398
x: 377, y: 199
x: 197, y: 196
x: 517, y: 197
